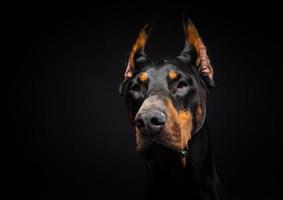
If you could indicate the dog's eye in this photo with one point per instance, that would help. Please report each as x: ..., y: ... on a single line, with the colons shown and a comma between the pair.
x: 182, y: 88
x: 182, y: 85
x: 136, y: 88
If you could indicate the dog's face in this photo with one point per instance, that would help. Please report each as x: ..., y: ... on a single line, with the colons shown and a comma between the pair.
x: 166, y: 98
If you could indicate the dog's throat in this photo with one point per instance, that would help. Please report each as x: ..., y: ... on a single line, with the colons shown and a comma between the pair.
x: 166, y: 175
x: 166, y: 163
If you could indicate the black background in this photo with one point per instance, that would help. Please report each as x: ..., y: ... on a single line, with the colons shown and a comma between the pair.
x: 70, y: 136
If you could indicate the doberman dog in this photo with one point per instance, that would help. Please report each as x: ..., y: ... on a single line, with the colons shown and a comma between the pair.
x: 166, y: 101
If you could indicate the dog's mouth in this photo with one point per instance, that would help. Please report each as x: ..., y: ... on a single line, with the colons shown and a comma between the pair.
x: 170, y: 142
x: 157, y: 149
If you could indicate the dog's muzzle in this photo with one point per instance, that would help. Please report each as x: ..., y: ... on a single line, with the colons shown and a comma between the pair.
x: 151, y: 117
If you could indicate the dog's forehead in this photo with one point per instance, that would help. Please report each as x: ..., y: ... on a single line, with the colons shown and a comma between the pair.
x: 161, y: 72
x: 164, y: 73
x: 158, y: 75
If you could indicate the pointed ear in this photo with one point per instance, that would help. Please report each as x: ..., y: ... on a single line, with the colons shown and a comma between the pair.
x: 196, y: 52
x: 137, y: 56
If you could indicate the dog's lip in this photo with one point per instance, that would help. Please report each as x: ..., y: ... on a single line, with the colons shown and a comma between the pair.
x: 151, y: 133
x: 152, y: 149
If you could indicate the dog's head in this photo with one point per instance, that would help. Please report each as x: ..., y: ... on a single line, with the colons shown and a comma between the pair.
x: 166, y: 98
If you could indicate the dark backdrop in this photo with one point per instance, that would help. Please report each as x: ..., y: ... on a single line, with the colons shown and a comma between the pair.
x: 70, y: 137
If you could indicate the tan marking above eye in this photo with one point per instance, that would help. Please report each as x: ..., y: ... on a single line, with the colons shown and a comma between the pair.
x: 143, y: 77
x: 172, y: 74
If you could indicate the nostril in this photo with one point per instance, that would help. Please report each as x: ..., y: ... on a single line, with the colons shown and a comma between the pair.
x: 150, y: 123
x: 157, y: 121
x: 157, y: 118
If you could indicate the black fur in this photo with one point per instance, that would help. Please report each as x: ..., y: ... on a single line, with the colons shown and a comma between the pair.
x: 199, y: 179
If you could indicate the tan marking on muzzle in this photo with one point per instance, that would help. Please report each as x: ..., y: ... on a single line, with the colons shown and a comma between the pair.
x: 179, y: 125
x: 139, y: 141
x: 199, y: 114
x: 185, y: 118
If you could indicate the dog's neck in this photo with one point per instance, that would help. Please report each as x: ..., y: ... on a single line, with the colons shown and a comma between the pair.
x: 168, y: 176
x: 172, y: 177
x: 166, y: 168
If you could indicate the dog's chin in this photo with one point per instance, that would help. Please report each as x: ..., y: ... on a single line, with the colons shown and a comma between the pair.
x: 156, y: 149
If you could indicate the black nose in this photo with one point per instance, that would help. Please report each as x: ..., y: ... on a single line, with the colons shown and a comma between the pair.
x: 151, y: 122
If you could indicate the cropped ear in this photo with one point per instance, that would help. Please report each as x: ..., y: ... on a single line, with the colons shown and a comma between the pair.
x: 196, y: 52
x: 137, y: 56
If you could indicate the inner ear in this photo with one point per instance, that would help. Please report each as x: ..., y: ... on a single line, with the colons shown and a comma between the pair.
x: 137, y: 56
x: 196, y: 52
